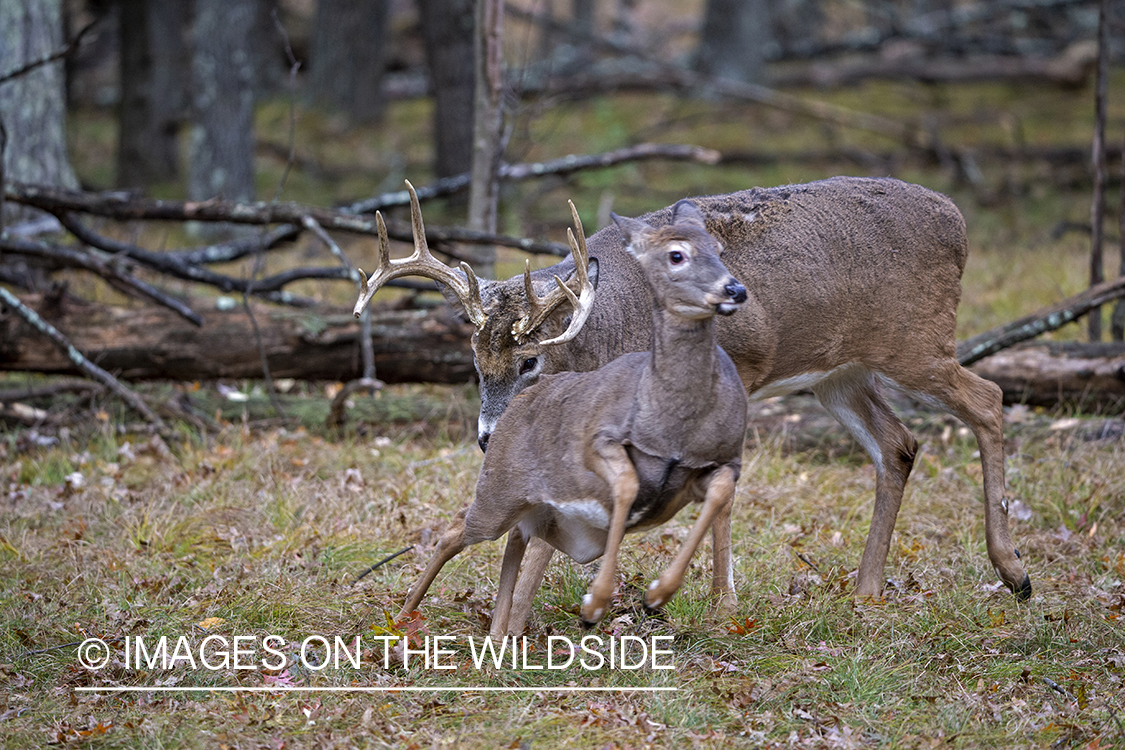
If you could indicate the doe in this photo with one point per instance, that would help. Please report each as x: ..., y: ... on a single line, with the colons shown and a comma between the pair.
x: 580, y: 458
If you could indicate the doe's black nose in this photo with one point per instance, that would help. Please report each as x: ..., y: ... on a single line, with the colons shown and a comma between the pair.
x: 482, y: 441
x: 735, y: 291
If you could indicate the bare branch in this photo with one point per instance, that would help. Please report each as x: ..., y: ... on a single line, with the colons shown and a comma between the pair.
x: 116, y: 205
x: 294, y: 66
x: 102, y: 267
x: 562, y: 166
x: 86, y: 366
x: 1038, y: 323
x: 64, y: 51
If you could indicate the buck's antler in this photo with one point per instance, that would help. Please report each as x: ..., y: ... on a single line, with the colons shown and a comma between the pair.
x: 421, y: 263
x: 541, y: 307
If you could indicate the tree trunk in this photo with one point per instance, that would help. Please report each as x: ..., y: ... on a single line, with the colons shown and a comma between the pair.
x: 1097, y: 205
x: 585, y: 16
x: 488, y: 122
x: 347, y: 56
x: 271, y: 64
x: 447, y: 27
x: 154, y: 343
x: 33, y: 106
x: 223, y: 75
x: 733, y: 40
x: 152, y: 61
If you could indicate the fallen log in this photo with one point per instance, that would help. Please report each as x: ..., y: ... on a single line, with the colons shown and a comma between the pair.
x: 1091, y: 376
x: 147, y: 343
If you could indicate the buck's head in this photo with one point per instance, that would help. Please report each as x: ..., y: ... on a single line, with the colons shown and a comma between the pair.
x: 681, y: 263
x: 520, y: 323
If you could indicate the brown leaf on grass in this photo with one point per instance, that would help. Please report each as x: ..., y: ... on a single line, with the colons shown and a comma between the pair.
x: 742, y: 628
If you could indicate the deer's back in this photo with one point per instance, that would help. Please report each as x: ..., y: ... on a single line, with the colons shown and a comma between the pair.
x: 830, y: 266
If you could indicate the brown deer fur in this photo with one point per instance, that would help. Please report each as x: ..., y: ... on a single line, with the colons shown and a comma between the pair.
x: 854, y: 285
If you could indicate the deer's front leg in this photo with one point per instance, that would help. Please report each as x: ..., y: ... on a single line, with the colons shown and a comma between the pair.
x: 720, y: 493
x: 612, y: 464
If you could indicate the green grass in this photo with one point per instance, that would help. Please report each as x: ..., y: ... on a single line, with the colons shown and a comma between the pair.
x: 268, y: 529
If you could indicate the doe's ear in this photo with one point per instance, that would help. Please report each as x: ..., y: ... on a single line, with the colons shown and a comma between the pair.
x: 687, y: 212
x: 633, y: 232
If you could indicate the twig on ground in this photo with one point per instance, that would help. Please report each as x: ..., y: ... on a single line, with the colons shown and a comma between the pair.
x: 48, y: 649
x: 1058, y: 689
x: 807, y: 561
x: 379, y: 564
x: 51, y: 389
x: 93, y: 371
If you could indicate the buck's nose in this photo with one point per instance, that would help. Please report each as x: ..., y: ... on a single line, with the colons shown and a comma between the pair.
x: 736, y: 292
x: 482, y: 440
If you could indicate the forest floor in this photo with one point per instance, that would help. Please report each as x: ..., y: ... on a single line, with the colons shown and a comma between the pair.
x: 262, y: 527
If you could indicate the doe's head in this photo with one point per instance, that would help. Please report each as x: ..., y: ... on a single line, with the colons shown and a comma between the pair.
x: 681, y: 263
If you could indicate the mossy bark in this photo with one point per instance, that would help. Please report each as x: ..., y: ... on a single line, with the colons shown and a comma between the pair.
x: 33, y: 106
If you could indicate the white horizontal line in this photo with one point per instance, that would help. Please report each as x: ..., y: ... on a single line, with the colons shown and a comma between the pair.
x: 403, y: 689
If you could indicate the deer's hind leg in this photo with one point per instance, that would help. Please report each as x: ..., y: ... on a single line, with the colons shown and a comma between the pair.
x: 474, y: 524
x: 451, y: 543
x: 853, y: 398
x: 720, y: 494
x: 979, y: 404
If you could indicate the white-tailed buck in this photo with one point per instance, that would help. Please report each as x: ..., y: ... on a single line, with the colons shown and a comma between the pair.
x: 580, y: 458
x: 853, y: 285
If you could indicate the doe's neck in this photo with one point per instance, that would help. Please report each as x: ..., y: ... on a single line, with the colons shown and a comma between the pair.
x: 684, y: 354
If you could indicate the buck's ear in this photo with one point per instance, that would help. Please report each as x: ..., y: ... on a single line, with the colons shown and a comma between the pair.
x: 592, y: 272
x: 687, y: 212
x: 633, y: 231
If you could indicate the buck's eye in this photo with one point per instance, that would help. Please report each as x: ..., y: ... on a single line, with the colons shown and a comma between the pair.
x: 528, y: 365
x: 676, y: 257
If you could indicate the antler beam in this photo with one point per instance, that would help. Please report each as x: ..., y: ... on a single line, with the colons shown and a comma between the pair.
x: 421, y: 263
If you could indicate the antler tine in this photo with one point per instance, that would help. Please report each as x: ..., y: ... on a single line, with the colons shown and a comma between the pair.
x: 422, y: 263
x: 584, y: 302
x: 578, y: 250
x: 540, y: 307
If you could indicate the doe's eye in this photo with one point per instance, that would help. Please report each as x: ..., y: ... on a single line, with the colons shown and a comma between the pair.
x: 676, y: 257
x: 528, y: 365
